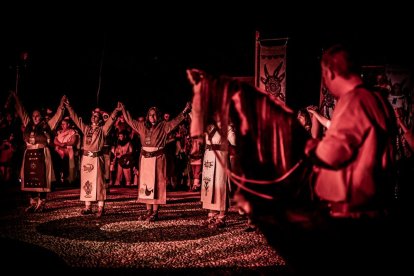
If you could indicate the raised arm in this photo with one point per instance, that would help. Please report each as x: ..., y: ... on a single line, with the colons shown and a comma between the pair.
x: 134, y: 124
x: 171, y: 125
x: 20, y: 109
x: 53, y: 122
x: 196, y: 128
x: 75, y: 118
x: 112, y: 118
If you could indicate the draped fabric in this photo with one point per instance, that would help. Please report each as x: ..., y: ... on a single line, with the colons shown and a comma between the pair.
x: 91, y: 169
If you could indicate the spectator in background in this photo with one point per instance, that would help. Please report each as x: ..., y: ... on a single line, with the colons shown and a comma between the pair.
x: 67, y: 143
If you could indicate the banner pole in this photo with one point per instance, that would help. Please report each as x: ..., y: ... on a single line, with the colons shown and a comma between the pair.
x: 257, y: 60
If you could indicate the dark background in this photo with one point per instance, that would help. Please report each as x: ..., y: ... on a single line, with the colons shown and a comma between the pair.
x: 144, y: 50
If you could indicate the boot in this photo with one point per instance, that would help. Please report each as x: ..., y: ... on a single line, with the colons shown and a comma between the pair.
x: 32, y: 206
x: 40, y: 207
x: 101, y: 211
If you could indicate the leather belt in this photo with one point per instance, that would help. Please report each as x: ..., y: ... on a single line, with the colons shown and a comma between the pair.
x: 216, y: 147
x: 150, y: 154
x: 92, y: 153
x: 35, y: 146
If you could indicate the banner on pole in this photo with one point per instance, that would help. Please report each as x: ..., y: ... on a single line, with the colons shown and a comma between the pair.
x: 327, y: 102
x: 270, y: 71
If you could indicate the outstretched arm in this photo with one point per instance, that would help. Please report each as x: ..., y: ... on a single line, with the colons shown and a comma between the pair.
x: 171, y: 125
x: 134, y: 124
x: 58, y: 114
x: 112, y: 118
x: 75, y: 118
x: 196, y: 129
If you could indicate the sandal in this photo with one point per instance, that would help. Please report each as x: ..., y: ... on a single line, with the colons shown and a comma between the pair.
x: 153, y: 217
x: 86, y: 211
x: 40, y: 207
x: 145, y: 216
x: 208, y: 221
x: 218, y: 223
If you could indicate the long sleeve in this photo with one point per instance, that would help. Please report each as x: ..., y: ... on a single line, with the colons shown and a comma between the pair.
x: 53, y: 122
x: 171, y: 125
x: 110, y: 122
x: 134, y: 124
x: 344, y: 137
x: 196, y: 127
x: 75, y: 118
x: 21, y: 112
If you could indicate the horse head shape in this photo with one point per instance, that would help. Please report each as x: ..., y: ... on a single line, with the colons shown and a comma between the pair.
x: 270, y: 144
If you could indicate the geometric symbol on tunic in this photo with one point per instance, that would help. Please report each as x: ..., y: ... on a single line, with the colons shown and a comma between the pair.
x: 88, y: 168
x: 206, y: 181
x: 87, y: 187
x: 33, y: 166
x: 208, y: 164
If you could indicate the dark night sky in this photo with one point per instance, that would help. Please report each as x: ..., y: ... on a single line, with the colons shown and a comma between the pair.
x: 146, y: 54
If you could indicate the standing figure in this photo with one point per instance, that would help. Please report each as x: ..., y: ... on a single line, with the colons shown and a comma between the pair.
x: 124, y: 159
x: 153, y: 133
x: 37, y: 172
x: 93, y: 165
x: 66, y: 145
x: 215, y: 187
x: 354, y: 174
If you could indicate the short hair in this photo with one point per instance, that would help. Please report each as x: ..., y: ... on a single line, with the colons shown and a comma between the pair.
x: 339, y: 59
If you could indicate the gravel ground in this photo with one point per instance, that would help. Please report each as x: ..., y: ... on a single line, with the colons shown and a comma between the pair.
x: 119, y: 244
